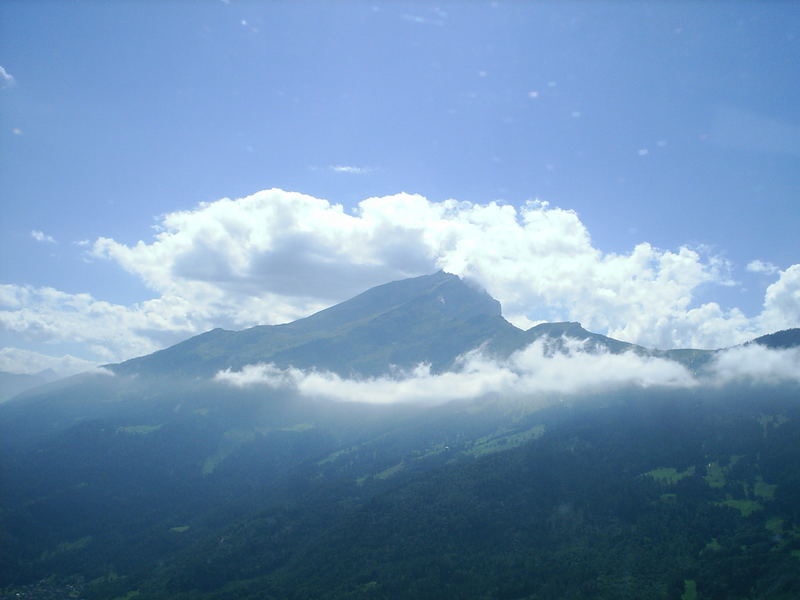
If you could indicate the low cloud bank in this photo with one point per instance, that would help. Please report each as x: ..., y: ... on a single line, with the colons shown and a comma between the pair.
x: 756, y: 364
x: 535, y: 370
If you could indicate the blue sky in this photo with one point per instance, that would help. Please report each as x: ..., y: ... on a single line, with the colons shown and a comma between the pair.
x: 674, y: 124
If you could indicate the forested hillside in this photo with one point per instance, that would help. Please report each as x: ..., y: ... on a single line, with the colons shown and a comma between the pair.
x: 681, y: 481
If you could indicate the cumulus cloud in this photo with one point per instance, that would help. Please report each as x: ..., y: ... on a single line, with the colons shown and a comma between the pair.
x: 782, y: 302
x: 757, y: 266
x: 109, y: 331
x: 536, y: 370
x: 17, y: 360
x: 41, y: 236
x: 6, y: 78
x: 274, y: 255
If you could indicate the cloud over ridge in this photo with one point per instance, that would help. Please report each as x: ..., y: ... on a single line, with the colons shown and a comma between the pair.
x: 533, y: 371
x: 282, y: 250
x: 276, y: 256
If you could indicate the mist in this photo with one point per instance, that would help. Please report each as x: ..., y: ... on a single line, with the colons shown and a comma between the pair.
x: 562, y: 367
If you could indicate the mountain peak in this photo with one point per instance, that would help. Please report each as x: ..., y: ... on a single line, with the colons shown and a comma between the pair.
x: 455, y: 296
x: 568, y: 328
x: 432, y: 319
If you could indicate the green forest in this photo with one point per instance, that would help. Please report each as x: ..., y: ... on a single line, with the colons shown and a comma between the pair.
x: 630, y: 495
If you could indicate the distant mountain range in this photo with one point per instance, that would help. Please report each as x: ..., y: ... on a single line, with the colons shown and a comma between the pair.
x: 150, y: 479
x: 12, y: 384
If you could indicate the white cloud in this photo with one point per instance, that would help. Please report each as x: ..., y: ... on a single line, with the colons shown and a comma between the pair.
x: 40, y: 236
x: 533, y: 371
x: 352, y: 170
x: 276, y: 255
x: 420, y: 20
x: 16, y: 360
x: 782, y: 302
x: 6, y: 78
x: 757, y: 364
x: 110, y: 332
x: 757, y: 266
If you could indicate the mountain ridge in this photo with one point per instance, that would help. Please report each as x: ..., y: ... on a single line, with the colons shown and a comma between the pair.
x: 430, y: 319
x: 362, y: 335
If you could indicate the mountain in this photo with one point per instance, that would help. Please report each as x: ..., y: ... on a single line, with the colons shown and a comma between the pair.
x: 12, y: 384
x: 788, y: 338
x: 151, y: 479
x: 431, y: 319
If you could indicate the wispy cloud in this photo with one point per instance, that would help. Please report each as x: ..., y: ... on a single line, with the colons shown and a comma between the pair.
x: 420, y: 20
x: 350, y: 169
x: 244, y: 23
x: 758, y: 266
x: 41, y: 236
x: 6, y: 78
x: 17, y: 360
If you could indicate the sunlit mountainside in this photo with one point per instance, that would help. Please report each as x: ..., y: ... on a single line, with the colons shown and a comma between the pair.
x: 430, y: 319
x: 409, y: 443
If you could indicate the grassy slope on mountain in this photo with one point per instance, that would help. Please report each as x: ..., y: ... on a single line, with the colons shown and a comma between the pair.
x: 426, y: 319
